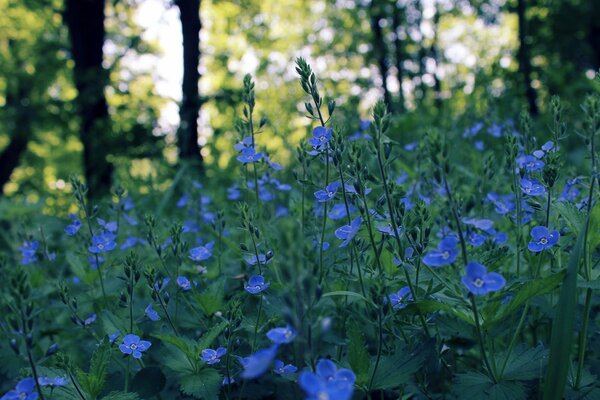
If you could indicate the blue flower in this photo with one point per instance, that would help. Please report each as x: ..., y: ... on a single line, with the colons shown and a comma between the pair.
x: 25, y: 390
x: 543, y: 239
x: 483, y: 224
x: 328, y: 383
x: 400, y: 299
x: 131, y: 241
x: 90, y: 320
x: 347, y: 232
x: 151, y: 313
x: 258, y: 363
x: 327, y: 194
x: 233, y: 192
x: 530, y: 163
x: 445, y: 254
x: 503, y: 203
x: 211, y: 356
x: 282, y: 335
x: 183, y: 200
x: 474, y: 130
x: 202, y: 253
x: 338, y: 211
x: 320, y: 139
x: 388, y: 229
x: 108, y: 226
x: 160, y: 285
x: 134, y: 346
x: 102, y: 243
x: 263, y: 259
x: 283, y: 369
x: 249, y: 155
x: 571, y: 190
x: 256, y: 284
x: 479, y: 282
x: 93, y: 263
x: 184, y: 283
x: 28, y: 250
x: 532, y: 187
x: 113, y: 336
x: 53, y: 382
x: 71, y: 230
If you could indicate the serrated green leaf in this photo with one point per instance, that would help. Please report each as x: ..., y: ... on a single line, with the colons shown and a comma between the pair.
x: 185, y: 345
x: 212, y: 299
x: 525, y: 363
x: 395, y: 370
x: 358, y: 356
x: 93, y: 381
x: 148, y: 382
x: 524, y: 293
x: 206, y: 340
x: 429, y: 306
x: 474, y: 385
x: 121, y: 396
x: 348, y: 293
x: 204, y: 385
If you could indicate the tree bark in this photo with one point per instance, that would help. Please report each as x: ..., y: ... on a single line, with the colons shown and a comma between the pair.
x: 399, y: 53
x: 187, y: 134
x: 380, y: 49
x: 85, y: 21
x: 524, y: 59
x: 19, y: 110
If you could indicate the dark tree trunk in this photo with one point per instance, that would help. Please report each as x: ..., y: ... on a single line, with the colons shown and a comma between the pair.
x: 524, y: 59
x: 435, y: 55
x: 399, y: 53
x: 380, y: 50
x: 18, y: 108
x: 85, y: 20
x: 187, y: 135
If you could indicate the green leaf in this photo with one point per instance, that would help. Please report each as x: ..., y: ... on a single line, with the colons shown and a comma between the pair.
x: 525, y: 363
x: 524, y: 293
x: 212, y: 299
x: 121, y: 396
x: 395, y: 370
x: 185, y: 345
x: 348, y: 293
x: 203, y: 385
x: 148, y: 382
x: 475, y: 385
x: 206, y: 340
x: 562, y: 327
x: 358, y: 356
x: 429, y: 306
x: 94, y: 381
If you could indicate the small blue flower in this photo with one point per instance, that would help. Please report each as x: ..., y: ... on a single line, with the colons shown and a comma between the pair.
x: 233, y: 192
x: 28, y: 252
x: 321, y: 137
x: 347, y: 232
x: 328, y: 383
x: 90, y: 320
x: 258, y: 363
x: 71, y: 230
x: 503, y: 203
x: 256, y: 284
x: 479, y: 282
x: 202, y: 253
x: 151, y: 313
x: 532, y: 187
x: 284, y: 369
x: 53, y: 382
x: 263, y: 259
x: 102, y: 243
x: 134, y: 346
x: 445, y: 254
x: 25, y: 390
x: 474, y: 130
x: 211, y: 356
x: 183, y: 200
x: 249, y: 155
x: 388, y: 229
x: 131, y: 241
x: 282, y: 335
x: 338, y: 211
x: 530, y: 163
x: 543, y: 239
x: 399, y: 300
x: 113, y: 336
x: 184, y: 283
x: 108, y: 226
x: 327, y: 194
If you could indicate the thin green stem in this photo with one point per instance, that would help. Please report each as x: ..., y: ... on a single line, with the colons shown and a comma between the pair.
x: 481, y: 339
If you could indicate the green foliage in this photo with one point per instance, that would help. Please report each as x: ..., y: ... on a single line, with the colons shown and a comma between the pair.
x: 92, y: 382
x: 204, y: 385
x: 148, y: 382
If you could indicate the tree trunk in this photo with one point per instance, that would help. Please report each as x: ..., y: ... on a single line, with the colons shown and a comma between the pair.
x: 380, y: 50
x: 399, y: 53
x: 85, y: 21
x: 187, y: 134
x: 524, y: 59
x: 437, y: 88
x: 18, y: 108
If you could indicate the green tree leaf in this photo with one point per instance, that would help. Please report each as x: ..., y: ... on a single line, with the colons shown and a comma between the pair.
x: 204, y: 385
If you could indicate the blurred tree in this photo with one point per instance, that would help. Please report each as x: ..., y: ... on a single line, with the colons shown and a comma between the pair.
x: 187, y: 134
x: 377, y: 13
x: 524, y: 57
x: 85, y: 21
